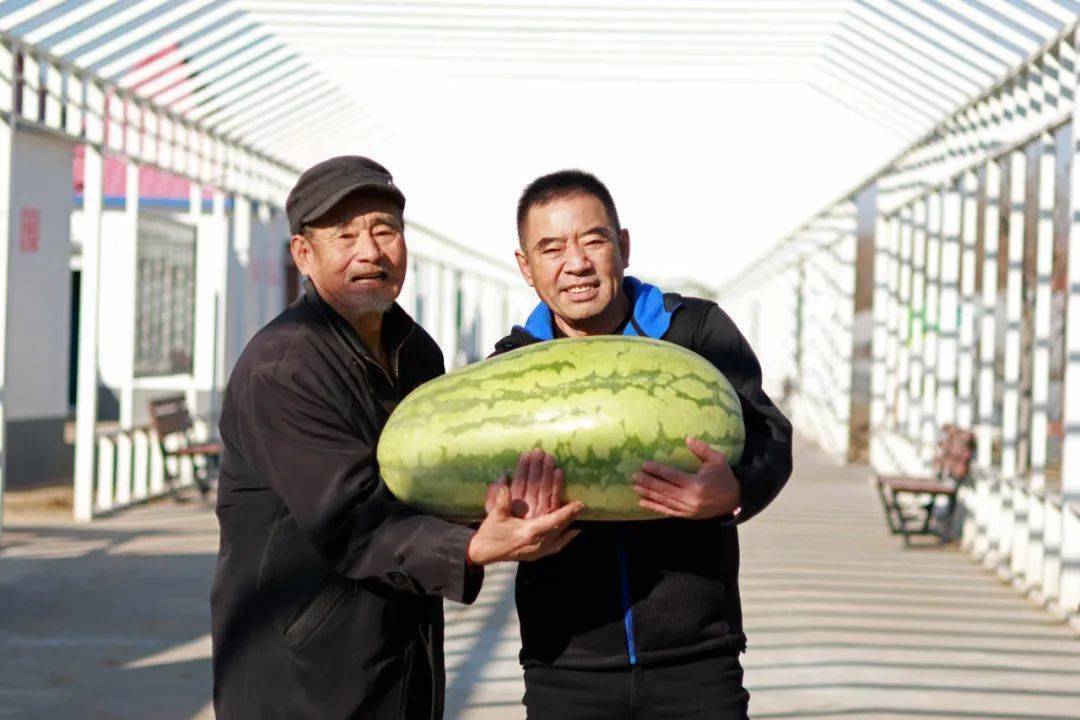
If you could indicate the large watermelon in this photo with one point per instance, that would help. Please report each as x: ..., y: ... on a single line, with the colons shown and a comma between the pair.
x: 601, y: 405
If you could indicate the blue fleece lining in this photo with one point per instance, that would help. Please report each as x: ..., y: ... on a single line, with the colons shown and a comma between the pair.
x: 649, y: 313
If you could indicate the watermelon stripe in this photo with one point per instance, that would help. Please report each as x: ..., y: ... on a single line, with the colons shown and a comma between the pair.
x: 658, y: 385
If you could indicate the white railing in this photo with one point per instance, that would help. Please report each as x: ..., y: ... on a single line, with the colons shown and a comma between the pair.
x: 1028, y: 537
x: 132, y: 469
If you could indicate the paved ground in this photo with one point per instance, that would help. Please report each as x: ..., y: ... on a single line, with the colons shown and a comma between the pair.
x: 110, y: 621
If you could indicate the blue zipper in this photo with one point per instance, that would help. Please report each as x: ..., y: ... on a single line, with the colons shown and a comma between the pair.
x: 624, y: 582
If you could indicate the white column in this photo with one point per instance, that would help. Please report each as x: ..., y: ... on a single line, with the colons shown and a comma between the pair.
x: 948, y: 321
x: 222, y: 252
x: 988, y: 314
x: 1040, y: 371
x: 130, y: 256
x: 204, y: 363
x: 130, y: 273
x: 932, y: 315
x: 904, y: 322
x: 918, y: 323
x: 884, y: 259
x: 842, y: 290
x: 7, y: 142
x: 448, y: 333
x: 965, y: 412
x: 86, y: 393
x: 1014, y: 304
x: 892, y: 319
x: 240, y: 288
x: 1070, y: 454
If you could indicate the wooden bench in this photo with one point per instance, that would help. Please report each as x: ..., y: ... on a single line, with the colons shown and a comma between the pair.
x: 952, y: 466
x: 170, y: 418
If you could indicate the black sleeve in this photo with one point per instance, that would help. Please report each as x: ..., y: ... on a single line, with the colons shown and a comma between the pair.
x: 327, y: 478
x: 766, y: 460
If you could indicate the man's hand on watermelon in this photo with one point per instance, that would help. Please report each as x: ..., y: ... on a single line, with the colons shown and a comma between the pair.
x: 712, y: 491
x: 525, y: 517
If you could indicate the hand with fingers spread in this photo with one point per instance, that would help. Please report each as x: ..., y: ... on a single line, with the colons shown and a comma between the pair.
x: 525, y: 517
x: 712, y: 491
x: 536, y: 487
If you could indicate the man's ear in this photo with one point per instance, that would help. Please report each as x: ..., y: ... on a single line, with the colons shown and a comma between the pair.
x: 523, y: 266
x: 301, y: 251
x: 624, y: 247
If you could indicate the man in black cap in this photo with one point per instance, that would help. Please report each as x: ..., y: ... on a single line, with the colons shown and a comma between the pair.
x: 327, y: 601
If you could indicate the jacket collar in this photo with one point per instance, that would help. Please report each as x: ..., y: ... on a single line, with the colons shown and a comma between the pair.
x: 397, y: 325
x: 649, y: 317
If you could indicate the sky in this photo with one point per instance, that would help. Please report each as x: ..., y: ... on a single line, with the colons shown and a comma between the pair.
x: 715, y: 124
x: 705, y: 177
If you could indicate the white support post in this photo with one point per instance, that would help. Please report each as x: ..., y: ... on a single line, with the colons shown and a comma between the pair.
x: 965, y: 385
x: 892, y: 320
x: 448, y: 333
x: 988, y: 314
x: 203, y: 362
x: 1044, y: 259
x: 87, y: 390
x: 1070, y: 451
x: 931, y: 334
x: 140, y: 482
x: 242, y: 308
x: 948, y: 306
x: 223, y: 251
x: 884, y: 258
x: 129, y: 255
x: 1014, y: 305
x: 904, y: 321
x: 106, y: 474
x: 1021, y: 517
x: 7, y: 144
x: 918, y: 325
x: 157, y: 467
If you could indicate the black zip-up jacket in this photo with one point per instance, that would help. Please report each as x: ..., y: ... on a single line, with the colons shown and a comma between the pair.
x: 327, y: 601
x: 657, y: 591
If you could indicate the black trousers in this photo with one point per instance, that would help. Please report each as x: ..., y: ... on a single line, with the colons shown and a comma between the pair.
x: 711, y: 688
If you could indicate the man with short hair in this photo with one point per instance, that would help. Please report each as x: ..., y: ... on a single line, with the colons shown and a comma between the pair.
x: 639, y: 619
x: 327, y: 601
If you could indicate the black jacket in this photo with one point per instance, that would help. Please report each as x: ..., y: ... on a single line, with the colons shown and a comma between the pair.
x: 660, y: 590
x: 327, y: 601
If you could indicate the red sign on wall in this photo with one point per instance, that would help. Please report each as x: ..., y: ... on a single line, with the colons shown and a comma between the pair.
x: 29, y: 230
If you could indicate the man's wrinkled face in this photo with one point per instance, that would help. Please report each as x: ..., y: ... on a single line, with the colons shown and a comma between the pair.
x: 355, y: 254
x: 574, y: 257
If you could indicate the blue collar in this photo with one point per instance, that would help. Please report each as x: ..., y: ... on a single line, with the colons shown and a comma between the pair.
x: 649, y: 315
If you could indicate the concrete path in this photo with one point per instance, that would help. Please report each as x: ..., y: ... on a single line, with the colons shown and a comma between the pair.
x: 111, y: 621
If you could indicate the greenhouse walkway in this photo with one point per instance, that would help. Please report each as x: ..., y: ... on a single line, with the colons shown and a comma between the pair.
x: 111, y: 620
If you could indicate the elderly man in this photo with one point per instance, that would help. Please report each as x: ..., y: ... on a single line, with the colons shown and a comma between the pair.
x: 327, y: 602
x: 656, y: 626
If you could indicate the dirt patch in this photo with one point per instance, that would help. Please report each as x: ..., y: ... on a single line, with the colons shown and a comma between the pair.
x: 53, y: 501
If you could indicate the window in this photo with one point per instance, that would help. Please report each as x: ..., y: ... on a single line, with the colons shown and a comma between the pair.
x: 165, y: 297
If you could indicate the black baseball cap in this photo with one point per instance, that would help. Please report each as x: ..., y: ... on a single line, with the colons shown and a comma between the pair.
x: 323, y: 186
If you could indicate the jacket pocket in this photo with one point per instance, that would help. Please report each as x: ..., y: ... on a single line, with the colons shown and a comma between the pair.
x: 308, y: 620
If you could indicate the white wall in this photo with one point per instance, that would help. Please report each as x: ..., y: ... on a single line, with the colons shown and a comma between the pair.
x: 116, y: 297
x: 258, y: 283
x: 494, y: 295
x: 40, y: 281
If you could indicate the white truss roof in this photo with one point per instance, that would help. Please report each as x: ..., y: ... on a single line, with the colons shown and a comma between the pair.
x: 718, y: 124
